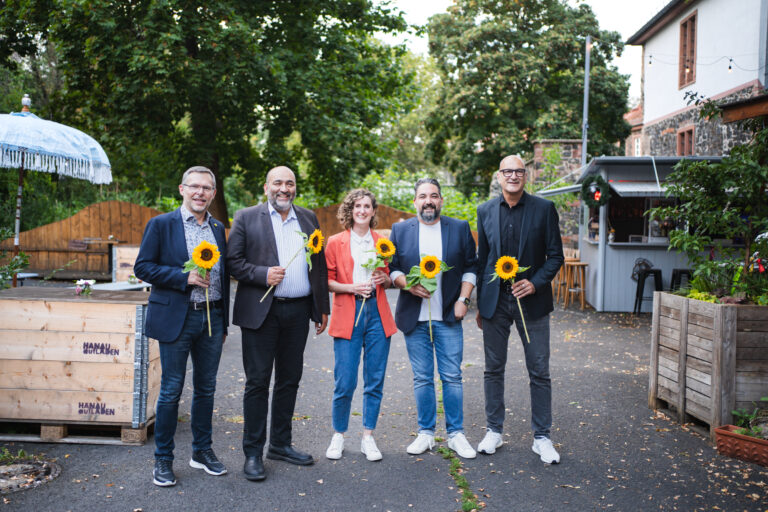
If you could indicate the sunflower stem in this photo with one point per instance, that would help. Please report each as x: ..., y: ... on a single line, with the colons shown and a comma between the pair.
x: 286, y: 266
x: 361, y: 311
x: 208, y: 310
x: 429, y: 307
x: 520, y: 307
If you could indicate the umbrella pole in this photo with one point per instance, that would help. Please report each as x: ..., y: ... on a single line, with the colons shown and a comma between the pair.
x: 18, y: 214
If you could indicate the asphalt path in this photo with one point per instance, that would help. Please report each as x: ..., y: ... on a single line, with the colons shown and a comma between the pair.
x: 616, y: 453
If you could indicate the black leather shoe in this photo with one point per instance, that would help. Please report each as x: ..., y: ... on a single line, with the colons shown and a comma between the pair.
x: 254, y: 469
x: 289, y: 454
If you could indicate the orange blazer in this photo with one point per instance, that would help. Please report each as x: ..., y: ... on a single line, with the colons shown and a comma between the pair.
x: 338, y: 256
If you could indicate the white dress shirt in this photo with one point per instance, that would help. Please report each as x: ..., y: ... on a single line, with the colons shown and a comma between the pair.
x: 289, y: 241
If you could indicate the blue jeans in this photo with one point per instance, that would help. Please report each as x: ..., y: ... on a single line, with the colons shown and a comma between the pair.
x: 495, y: 340
x: 448, y: 347
x: 368, y: 336
x: 206, y: 353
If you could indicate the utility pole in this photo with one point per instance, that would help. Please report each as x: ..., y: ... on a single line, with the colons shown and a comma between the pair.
x: 585, y: 114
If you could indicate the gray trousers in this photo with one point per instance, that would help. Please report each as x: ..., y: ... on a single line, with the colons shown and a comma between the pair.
x: 495, y: 338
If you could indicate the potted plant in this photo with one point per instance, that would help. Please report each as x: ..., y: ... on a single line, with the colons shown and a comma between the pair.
x: 748, y: 439
x: 707, y: 344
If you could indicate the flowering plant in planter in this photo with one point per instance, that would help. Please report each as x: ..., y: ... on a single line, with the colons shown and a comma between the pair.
x: 83, y: 286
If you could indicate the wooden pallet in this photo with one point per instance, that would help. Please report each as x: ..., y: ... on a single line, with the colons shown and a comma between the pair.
x: 74, y: 433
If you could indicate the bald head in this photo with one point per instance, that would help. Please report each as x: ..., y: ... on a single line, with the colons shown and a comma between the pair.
x: 280, y: 170
x: 512, y: 162
x: 280, y: 188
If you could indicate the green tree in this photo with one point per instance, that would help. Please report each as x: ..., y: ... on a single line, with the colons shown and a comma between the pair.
x: 513, y: 71
x: 165, y: 84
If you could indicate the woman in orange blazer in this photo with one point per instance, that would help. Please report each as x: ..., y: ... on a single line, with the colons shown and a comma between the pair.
x: 350, y: 283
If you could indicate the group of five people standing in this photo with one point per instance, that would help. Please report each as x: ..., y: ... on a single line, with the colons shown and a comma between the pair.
x: 276, y: 300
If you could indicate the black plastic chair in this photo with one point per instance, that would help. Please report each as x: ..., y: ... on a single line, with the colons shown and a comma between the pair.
x: 677, y: 278
x: 641, y: 276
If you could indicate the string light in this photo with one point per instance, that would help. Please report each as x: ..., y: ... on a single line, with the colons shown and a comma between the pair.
x: 704, y: 63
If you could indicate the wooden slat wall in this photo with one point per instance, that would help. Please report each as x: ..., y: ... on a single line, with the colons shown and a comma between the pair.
x: 48, y: 246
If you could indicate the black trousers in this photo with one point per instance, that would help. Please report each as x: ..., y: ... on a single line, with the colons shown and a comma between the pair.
x: 279, y: 342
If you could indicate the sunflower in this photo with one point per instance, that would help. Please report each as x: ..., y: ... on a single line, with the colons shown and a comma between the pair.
x: 430, y: 266
x: 385, y: 248
x: 205, y: 255
x: 506, y: 267
x: 315, y: 242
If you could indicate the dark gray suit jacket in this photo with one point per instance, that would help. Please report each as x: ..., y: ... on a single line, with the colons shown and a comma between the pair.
x: 541, y: 248
x: 251, y: 250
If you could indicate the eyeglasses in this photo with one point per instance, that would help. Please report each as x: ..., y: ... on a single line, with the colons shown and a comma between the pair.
x: 198, y: 188
x: 508, y: 173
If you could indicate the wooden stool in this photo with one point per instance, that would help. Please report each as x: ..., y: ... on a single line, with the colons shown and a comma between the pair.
x: 559, y: 282
x: 575, y: 275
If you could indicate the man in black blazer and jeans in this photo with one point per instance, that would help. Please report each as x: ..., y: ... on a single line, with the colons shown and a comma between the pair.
x: 525, y: 227
x: 262, y: 241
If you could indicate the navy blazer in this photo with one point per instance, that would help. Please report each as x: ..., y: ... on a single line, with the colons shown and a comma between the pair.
x: 458, y: 252
x: 541, y: 249
x: 160, y: 262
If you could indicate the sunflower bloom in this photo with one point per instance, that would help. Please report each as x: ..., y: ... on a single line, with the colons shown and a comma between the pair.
x: 506, y: 267
x: 205, y: 255
x: 430, y: 266
x: 315, y: 242
x: 385, y: 248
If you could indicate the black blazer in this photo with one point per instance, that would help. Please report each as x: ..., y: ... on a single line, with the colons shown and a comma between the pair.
x: 252, y: 250
x: 161, y: 259
x: 458, y: 252
x: 541, y: 248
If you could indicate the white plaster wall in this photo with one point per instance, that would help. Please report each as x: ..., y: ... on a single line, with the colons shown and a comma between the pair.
x: 725, y: 29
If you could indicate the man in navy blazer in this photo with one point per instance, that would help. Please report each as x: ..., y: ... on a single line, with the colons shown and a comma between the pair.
x: 527, y: 228
x: 177, y: 318
x: 450, y: 240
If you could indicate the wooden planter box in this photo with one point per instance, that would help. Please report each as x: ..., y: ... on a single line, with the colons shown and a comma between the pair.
x: 707, y: 359
x: 750, y: 449
x: 68, y: 360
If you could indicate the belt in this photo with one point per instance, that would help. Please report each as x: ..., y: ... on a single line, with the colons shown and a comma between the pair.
x: 199, y: 306
x: 371, y: 296
x: 288, y: 300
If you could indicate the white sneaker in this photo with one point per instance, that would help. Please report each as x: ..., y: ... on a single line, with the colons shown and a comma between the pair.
x: 336, y: 447
x: 490, y: 442
x: 459, y: 444
x: 422, y: 443
x: 543, y: 447
x: 369, y: 449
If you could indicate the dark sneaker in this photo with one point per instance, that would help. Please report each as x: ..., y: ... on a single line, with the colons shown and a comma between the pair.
x: 206, y: 459
x: 163, y: 473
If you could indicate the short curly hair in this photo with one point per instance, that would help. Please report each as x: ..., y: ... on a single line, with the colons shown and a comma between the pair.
x: 348, y: 204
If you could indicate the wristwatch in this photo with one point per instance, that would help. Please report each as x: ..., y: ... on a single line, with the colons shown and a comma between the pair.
x: 465, y: 300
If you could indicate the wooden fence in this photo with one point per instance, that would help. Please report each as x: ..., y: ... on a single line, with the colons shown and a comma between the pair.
x: 82, y: 244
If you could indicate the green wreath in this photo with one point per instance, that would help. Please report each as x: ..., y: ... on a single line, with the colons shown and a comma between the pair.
x: 602, y: 185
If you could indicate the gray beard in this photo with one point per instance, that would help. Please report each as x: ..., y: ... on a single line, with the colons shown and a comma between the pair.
x: 278, y: 207
x: 429, y: 217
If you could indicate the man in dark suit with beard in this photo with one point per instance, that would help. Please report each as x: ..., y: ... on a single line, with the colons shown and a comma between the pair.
x: 274, y: 331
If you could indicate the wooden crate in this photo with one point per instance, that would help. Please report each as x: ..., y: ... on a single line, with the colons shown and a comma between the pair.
x: 72, y: 360
x: 124, y: 258
x: 707, y: 359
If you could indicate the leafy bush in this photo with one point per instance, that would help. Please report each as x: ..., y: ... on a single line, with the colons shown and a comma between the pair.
x: 724, y: 207
x: 12, y: 265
